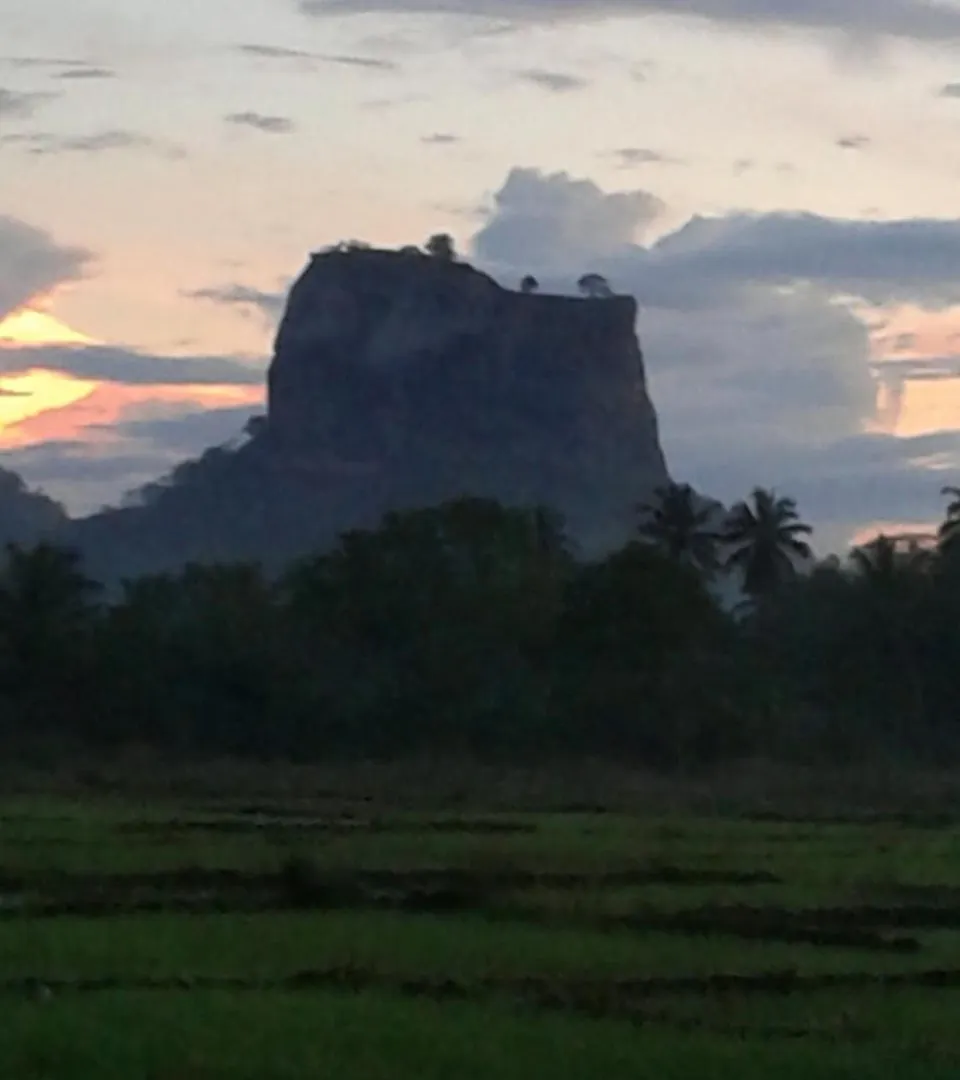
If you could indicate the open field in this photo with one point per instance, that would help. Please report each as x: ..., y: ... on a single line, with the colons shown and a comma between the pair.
x: 193, y: 935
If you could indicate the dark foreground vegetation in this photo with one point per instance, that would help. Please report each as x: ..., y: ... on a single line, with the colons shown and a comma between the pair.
x: 475, y: 629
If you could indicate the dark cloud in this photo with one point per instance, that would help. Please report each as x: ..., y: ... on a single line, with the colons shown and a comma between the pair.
x: 269, y: 304
x: 19, y: 105
x: 127, y: 366
x: 119, y: 457
x: 555, y: 81
x: 440, y: 138
x: 72, y: 461
x: 276, y: 52
x: 189, y: 431
x: 28, y: 62
x: 87, y: 73
x: 279, y: 52
x: 272, y: 125
x: 951, y: 90
x: 854, y: 142
x: 632, y: 157
x: 100, y: 142
x: 918, y: 20
x: 32, y: 263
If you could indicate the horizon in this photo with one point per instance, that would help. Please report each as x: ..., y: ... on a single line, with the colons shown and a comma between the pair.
x: 775, y: 186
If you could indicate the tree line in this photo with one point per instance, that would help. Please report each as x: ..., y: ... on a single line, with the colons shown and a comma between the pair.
x: 477, y: 628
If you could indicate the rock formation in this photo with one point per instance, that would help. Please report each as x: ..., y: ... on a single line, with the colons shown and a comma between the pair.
x: 401, y: 380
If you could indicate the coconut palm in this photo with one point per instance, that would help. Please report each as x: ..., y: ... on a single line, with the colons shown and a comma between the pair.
x: 764, y: 537
x: 885, y: 560
x: 948, y: 535
x: 678, y: 523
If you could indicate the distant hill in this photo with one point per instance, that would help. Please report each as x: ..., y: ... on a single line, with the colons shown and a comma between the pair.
x: 26, y: 516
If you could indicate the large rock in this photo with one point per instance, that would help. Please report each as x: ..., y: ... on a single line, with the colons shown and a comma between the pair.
x: 425, y: 379
x: 401, y: 380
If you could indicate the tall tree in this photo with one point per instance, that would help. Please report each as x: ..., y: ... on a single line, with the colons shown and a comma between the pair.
x: 764, y: 538
x: 46, y: 616
x: 948, y: 535
x: 678, y: 523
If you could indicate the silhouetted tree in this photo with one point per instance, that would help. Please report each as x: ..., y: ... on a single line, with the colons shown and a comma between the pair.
x: 678, y: 522
x: 948, y: 534
x: 763, y: 537
x: 529, y: 285
x: 594, y: 286
x: 441, y: 246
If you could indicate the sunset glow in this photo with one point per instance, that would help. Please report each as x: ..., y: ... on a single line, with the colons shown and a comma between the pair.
x: 36, y: 392
x: 31, y: 327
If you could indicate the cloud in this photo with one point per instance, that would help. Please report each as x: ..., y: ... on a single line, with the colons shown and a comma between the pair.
x: 279, y: 52
x: 440, y: 138
x: 632, y: 157
x: 554, y: 222
x: 951, y: 90
x: 554, y: 81
x: 87, y: 73
x: 269, y: 304
x: 854, y: 142
x: 115, y: 442
x: 32, y: 263
x: 99, y: 142
x: 762, y: 368
x: 19, y: 105
x: 29, y: 62
x: 272, y: 125
x: 189, y: 430
x: 127, y: 366
x: 917, y: 20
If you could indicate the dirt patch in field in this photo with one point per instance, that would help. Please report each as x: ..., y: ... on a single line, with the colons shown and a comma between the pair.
x: 642, y: 1001
x: 813, y: 927
x: 255, y: 820
x: 300, y: 883
x: 903, y: 819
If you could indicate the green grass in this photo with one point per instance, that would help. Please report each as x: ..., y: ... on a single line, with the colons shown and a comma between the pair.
x: 907, y: 1032
x: 462, y: 947
x: 215, y: 1036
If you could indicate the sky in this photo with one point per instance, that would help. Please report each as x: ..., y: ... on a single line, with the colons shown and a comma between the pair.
x: 775, y: 180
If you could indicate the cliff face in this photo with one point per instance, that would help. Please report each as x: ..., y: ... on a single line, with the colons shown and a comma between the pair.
x: 424, y: 379
x: 400, y: 381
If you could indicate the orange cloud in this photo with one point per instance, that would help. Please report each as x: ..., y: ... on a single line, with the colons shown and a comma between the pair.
x: 911, y: 332
x: 34, y: 326
x: 106, y: 404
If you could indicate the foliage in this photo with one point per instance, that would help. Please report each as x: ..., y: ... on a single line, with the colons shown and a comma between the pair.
x: 680, y: 524
x: 764, y: 538
x: 441, y: 246
x: 594, y: 286
x: 476, y: 628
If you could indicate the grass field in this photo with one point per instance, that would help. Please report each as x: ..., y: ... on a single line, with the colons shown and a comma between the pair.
x: 204, y: 935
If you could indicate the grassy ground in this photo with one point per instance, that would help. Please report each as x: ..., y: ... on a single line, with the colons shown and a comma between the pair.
x: 201, y: 935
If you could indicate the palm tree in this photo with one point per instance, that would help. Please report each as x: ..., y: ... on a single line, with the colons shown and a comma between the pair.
x: 948, y: 535
x: 885, y: 560
x: 764, y: 537
x: 678, y: 523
